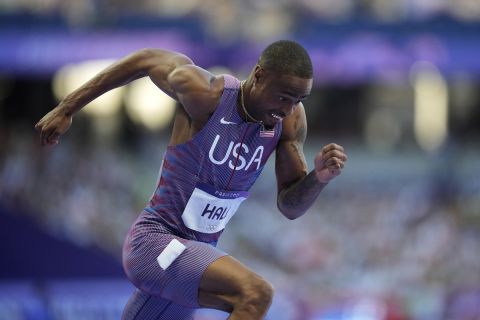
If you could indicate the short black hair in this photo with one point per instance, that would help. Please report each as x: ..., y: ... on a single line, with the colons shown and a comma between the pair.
x: 287, y: 57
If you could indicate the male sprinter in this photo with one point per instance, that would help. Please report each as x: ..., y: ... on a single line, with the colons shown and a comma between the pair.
x: 223, y: 133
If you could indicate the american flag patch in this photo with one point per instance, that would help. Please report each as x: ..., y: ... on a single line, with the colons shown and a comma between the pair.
x: 267, y: 133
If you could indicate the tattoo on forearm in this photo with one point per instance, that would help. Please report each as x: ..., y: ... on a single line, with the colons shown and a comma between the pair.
x: 297, y: 196
x: 300, y: 196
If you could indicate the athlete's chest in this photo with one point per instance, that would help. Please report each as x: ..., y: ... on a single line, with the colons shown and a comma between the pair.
x: 238, y: 147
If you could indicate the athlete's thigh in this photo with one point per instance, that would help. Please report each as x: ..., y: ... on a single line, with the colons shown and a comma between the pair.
x: 179, y: 279
x: 223, y: 283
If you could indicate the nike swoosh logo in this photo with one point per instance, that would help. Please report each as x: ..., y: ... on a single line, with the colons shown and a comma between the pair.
x: 223, y: 121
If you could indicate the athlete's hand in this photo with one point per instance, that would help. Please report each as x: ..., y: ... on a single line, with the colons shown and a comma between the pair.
x: 329, y: 162
x: 53, y: 125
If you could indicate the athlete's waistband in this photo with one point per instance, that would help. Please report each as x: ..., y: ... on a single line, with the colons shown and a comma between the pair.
x: 149, y: 215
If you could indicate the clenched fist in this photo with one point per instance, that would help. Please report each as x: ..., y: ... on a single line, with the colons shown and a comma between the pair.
x: 329, y: 162
x: 53, y: 125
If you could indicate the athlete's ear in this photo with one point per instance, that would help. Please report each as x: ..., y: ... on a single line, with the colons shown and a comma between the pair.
x: 258, y: 73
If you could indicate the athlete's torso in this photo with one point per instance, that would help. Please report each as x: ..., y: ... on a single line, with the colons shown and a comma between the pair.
x: 223, y: 159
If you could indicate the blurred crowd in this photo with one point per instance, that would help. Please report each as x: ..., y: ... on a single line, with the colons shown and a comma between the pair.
x: 323, y: 9
x: 397, y: 240
x: 229, y: 20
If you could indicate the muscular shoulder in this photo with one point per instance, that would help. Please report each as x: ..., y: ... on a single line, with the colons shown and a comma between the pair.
x: 197, y: 89
x: 294, y: 127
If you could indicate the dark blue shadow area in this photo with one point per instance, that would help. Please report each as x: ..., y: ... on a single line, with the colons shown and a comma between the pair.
x: 29, y: 253
x: 64, y: 299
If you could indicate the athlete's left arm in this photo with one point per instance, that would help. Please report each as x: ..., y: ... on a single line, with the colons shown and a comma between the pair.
x: 298, y: 189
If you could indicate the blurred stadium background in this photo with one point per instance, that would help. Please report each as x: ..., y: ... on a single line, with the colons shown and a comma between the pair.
x: 396, y: 237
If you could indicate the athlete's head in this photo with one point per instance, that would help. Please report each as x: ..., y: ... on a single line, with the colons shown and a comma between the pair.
x: 279, y: 82
x: 287, y: 57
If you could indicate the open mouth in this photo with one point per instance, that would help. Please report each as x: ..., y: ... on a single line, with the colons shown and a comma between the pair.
x: 276, y: 116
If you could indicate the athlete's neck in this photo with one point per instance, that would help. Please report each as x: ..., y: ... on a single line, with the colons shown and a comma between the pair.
x: 244, y: 111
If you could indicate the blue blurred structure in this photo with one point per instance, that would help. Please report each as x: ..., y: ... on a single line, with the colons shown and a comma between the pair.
x: 353, y: 51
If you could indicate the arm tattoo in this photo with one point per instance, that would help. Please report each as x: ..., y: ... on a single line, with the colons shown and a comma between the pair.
x: 296, y: 197
x: 296, y: 152
x: 299, y: 197
x: 301, y: 134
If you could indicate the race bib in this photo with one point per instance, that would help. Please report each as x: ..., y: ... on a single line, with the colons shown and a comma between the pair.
x: 208, y: 210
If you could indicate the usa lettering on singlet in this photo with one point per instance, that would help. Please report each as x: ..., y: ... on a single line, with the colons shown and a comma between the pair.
x: 204, y: 180
x: 233, y: 152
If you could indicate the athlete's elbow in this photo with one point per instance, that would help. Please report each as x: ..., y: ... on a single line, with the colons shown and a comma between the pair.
x: 289, y: 212
x: 165, y: 55
x: 151, y: 60
x: 144, y: 57
x: 291, y: 217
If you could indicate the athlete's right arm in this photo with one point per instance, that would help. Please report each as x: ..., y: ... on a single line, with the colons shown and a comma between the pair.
x: 163, y: 67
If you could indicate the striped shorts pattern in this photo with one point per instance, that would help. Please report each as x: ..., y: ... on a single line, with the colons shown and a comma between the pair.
x: 144, y: 306
x: 177, y: 285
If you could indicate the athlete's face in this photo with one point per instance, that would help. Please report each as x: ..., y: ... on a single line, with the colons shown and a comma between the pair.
x: 275, y: 96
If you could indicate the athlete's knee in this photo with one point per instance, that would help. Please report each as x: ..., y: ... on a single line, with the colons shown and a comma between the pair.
x: 257, y: 295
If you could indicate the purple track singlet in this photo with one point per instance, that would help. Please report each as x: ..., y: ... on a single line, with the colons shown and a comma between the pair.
x: 228, y: 154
